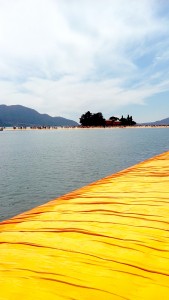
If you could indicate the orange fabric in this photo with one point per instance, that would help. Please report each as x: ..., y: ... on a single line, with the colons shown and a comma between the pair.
x: 108, y: 240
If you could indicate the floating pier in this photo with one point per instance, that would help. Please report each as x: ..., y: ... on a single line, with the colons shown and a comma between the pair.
x: 108, y: 240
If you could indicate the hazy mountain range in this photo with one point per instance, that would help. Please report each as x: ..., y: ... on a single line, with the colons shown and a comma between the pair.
x: 161, y: 122
x: 18, y: 115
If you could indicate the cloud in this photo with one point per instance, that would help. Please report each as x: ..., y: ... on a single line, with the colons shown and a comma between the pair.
x: 65, y: 57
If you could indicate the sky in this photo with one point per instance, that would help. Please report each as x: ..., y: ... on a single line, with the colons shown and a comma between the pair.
x: 65, y: 57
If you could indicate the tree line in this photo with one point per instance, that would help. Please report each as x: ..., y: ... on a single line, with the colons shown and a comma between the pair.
x: 97, y: 119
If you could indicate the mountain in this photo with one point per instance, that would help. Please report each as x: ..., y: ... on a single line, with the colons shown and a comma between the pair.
x: 18, y: 115
x: 162, y: 122
x: 156, y: 123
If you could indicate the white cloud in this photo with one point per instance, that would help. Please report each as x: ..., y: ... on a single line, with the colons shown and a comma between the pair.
x: 67, y: 56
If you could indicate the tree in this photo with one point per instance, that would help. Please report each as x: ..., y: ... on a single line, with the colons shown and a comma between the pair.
x: 113, y: 118
x: 85, y: 119
x: 127, y: 121
x: 98, y: 120
x: 132, y: 122
x: 89, y: 119
x: 123, y: 121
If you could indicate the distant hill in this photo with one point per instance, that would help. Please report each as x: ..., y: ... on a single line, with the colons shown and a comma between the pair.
x: 18, y: 115
x: 161, y: 122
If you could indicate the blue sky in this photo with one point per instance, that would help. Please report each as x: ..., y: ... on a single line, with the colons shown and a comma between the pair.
x: 65, y: 57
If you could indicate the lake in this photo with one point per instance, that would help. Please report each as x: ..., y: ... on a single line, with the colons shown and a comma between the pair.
x: 39, y: 165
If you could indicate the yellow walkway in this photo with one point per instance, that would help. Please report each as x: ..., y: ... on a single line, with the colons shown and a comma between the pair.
x: 108, y: 240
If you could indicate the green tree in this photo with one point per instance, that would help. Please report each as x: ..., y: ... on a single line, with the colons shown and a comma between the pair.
x: 127, y: 121
x: 85, y: 119
x: 113, y: 118
x: 89, y: 119
x: 98, y: 120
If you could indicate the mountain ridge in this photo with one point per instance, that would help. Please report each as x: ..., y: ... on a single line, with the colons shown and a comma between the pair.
x: 160, y: 122
x: 19, y: 115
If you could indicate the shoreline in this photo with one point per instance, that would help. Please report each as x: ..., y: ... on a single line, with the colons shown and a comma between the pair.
x: 28, y: 128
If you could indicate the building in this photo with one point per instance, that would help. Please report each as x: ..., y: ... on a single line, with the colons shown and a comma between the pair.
x: 113, y: 123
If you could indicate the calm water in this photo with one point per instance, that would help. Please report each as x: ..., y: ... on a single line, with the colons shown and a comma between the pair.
x: 36, y: 166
